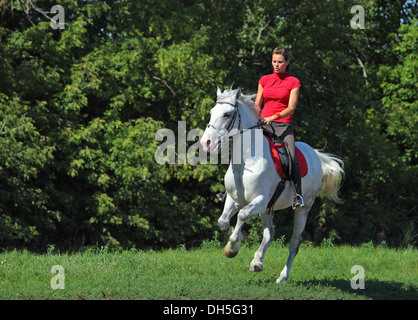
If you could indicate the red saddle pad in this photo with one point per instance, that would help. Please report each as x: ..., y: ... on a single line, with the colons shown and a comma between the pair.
x: 303, y: 165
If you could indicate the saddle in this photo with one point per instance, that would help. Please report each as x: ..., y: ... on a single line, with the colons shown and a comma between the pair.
x: 283, y: 163
x: 281, y: 158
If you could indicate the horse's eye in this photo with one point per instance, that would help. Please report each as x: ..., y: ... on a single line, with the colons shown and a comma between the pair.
x: 226, y: 115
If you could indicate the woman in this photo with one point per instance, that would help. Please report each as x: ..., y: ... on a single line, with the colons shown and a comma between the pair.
x: 280, y: 92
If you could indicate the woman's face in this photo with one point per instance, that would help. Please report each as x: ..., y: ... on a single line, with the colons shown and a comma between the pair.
x: 279, y: 63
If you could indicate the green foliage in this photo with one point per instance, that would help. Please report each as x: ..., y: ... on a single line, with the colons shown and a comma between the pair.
x: 24, y: 158
x: 399, y: 112
x: 80, y: 106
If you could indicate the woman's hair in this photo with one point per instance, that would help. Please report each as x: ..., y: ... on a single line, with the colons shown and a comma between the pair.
x: 284, y: 52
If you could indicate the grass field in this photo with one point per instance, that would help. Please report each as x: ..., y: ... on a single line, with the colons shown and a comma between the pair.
x: 317, y: 273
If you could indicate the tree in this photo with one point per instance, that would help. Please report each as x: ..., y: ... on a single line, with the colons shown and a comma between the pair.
x: 399, y: 114
x: 80, y: 106
x: 25, y: 155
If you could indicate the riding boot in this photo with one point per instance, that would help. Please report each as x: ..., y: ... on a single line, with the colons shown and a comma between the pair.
x: 297, y: 181
x: 221, y: 196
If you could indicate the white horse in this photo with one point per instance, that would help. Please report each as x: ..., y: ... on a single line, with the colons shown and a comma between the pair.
x: 251, y: 182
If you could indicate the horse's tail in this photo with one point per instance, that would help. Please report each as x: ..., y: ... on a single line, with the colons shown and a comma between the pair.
x: 332, y: 174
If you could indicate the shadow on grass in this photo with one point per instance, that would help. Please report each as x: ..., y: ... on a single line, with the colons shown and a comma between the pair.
x: 374, y: 289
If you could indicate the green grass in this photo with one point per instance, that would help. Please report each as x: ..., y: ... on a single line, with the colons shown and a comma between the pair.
x: 317, y: 273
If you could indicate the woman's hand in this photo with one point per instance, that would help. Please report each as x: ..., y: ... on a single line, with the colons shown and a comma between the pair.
x: 270, y: 119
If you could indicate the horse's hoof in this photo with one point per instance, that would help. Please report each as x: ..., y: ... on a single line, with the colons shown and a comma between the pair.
x: 281, y: 279
x: 229, y: 253
x: 256, y: 268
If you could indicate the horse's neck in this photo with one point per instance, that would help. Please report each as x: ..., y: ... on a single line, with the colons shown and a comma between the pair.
x: 248, y: 118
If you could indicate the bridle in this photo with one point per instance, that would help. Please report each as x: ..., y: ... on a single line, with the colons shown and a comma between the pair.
x: 232, y: 119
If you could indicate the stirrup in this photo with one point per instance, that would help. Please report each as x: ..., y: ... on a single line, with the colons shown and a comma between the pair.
x: 298, y: 202
x: 221, y: 196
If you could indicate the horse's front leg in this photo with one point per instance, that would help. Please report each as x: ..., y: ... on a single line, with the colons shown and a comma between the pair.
x: 230, y: 209
x: 257, y: 206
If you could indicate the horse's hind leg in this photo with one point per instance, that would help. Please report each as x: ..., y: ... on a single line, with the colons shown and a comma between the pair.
x: 299, y: 225
x: 268, y: 234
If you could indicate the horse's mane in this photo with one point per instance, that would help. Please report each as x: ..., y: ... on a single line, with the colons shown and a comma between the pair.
x: 247, y: 99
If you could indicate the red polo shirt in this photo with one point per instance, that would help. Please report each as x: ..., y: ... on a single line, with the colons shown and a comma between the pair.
x: 276, y: 94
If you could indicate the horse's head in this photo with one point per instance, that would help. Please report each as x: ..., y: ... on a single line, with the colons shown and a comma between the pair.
x: 224, y: 117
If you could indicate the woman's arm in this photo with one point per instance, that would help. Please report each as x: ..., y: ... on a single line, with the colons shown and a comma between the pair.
x: 293, y: 101
x: 259, y: 97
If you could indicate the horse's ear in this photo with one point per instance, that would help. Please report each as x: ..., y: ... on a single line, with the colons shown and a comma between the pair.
x: 238, y: 93
x: 218, y: 92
